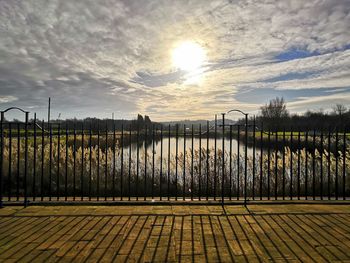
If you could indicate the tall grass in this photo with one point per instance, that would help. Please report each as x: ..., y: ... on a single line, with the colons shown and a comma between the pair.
x: 81, y: 172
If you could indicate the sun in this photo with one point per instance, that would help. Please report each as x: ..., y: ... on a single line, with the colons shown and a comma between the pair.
x: 188, y: 56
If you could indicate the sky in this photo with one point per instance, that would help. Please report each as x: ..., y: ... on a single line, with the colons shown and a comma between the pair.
x: 98, y: 57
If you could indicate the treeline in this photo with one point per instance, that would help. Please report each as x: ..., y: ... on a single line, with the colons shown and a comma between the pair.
x: 275, y: 116
x: 100, y: 124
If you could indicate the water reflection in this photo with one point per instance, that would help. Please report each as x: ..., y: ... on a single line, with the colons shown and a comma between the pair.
x: 164, y: 145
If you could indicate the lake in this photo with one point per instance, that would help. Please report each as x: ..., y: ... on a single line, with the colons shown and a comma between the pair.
x: 164, y: 145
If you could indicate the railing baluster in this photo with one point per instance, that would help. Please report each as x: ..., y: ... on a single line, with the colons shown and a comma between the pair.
x: 145, y: 172
x: 58, y: 159
x: 268, y: 163
x: 254, y: 140
x: 207, y: 163
x: 161, y: 162
x: 284, y: 164
x: 299, y: 153
x: 344, y: 164
x: 153, y: 159
x: 200, y: 164
x: 129, y: 164
x: 192, y: 153
x: 336, y: 163
x: 82, y: 162
x: 114, y: 145
x: 122, y: 163
x: 261, y: 160
x: 306, y: 164
x: 66, y: 168
x: 10, y: 164
x: 98, y: 161
x: 169, y: 163
x: 90, y: 160
x: 74, y: 159
x: 184, y: 166
x: 291, y: 164
x: 106, y: 161
x: 238, y: 161
x: 34, y: 158
x: 18, y: 158
x: 276, y: 164
x: 137, y: 160
x: 25, y: 159
x: 314, y: 165
x: 50, y: 161
x: 223, y: 160
x: 329, y: 163
x: 215, y: 157
x: 321, y: 165
x: 176, y: 157
x: 230, y: 166
x: 246, y: 159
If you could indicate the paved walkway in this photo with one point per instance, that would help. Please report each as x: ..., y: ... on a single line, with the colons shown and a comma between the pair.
x: 303, y: 233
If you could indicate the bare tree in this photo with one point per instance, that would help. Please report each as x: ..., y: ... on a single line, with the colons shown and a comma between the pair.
x: 276, y: 109
x: 339, y: 109
x: 274, y: 114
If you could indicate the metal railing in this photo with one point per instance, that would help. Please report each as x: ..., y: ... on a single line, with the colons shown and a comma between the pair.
x: 43, y: 162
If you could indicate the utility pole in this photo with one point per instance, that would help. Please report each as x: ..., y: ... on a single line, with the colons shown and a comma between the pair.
x: 48, y: 111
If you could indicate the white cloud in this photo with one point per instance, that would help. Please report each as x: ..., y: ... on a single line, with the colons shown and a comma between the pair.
x: 313, y: 103
x: 90, y: 55
x: 6, y: 99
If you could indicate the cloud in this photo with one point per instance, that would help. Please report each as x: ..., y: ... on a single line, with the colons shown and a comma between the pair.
x: 6, y: 99
x: 94, y: 57
x: 154, y: 80
x: 313, y: 103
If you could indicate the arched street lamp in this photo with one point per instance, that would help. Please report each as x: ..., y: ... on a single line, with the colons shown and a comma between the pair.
x: 245, y: 157
x: 2, y: 120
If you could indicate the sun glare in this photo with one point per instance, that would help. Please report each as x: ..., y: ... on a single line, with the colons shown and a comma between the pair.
x: 188, y: 56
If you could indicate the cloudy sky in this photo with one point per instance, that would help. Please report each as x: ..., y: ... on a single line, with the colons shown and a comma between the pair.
x: 95, y: 57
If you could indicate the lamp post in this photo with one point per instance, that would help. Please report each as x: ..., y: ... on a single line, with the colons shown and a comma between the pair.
x: 245, y: 152
x: 2, y: 121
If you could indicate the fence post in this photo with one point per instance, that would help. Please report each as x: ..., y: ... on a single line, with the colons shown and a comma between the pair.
x: 26, y: 158
x: 223, y: 160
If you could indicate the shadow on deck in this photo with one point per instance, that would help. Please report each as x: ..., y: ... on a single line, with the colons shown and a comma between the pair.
x: 315, y: 233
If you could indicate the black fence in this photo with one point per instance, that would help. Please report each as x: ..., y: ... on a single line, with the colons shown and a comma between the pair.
x: 206, y: 162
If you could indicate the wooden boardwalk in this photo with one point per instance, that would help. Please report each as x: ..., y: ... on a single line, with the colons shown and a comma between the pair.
x: 261, y: 233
